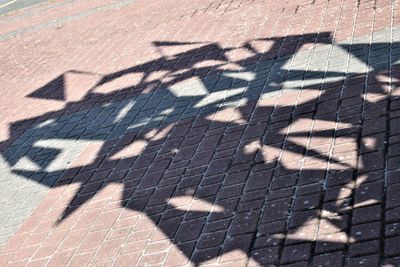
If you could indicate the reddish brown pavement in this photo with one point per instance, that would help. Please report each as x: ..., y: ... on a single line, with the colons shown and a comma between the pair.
x: 187, y: 133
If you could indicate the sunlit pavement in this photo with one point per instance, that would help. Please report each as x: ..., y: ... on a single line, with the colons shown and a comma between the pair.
x: 187, y: 133
x: 7, y: 6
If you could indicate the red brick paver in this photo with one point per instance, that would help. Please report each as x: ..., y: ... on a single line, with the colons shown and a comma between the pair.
x: 180, y: 133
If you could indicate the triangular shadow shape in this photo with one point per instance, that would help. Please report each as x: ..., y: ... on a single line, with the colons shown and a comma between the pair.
x: 53, y: 90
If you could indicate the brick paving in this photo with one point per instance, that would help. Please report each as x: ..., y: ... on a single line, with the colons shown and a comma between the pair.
x: 187, y: 133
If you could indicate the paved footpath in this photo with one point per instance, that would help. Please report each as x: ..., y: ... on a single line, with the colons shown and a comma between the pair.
x: 7, y: 6
x: 200, y: 133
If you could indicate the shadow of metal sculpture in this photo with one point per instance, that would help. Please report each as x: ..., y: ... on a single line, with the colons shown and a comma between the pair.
x: 185, y: 152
